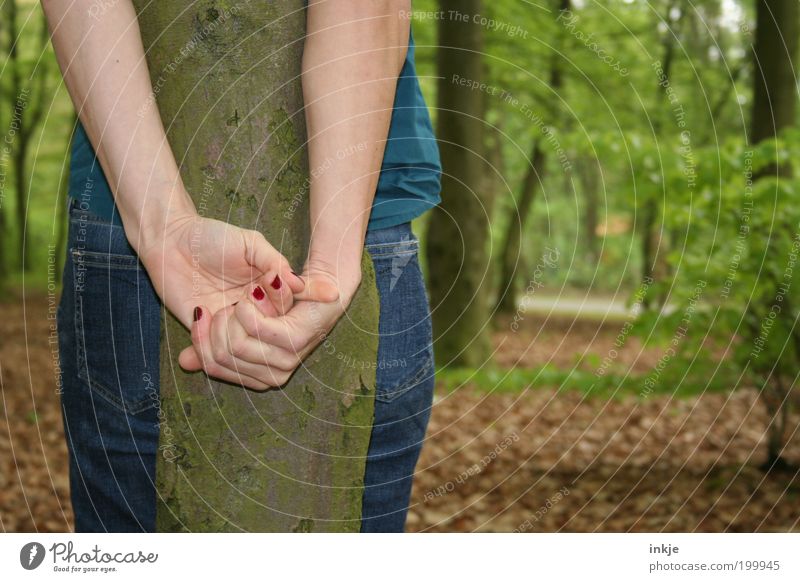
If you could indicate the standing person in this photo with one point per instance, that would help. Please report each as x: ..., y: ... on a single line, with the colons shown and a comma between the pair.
x: 131, y: 249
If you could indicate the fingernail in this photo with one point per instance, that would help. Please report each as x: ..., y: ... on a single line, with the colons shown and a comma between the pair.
x: 276, y: 282
x: 258, y: 293
x: 198, y: 313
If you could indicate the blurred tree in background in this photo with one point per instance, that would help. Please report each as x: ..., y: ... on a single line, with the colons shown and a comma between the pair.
x: 458, y: 228
x: 32, y: 162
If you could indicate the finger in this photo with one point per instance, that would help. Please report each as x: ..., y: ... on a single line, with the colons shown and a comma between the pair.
x: 198, y: 356
x: 264, y: 363
x: 259, y: 298
x: 227, y: 366
x: 318, y: 288
x: 277, y: 331
x: 279, y: 294
x: 189, y: 359
x: 264, y: 257
x: 250, y: 352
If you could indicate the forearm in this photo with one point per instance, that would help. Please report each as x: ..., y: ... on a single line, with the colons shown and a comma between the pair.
x: 353, y: 55
x: 106, y: 74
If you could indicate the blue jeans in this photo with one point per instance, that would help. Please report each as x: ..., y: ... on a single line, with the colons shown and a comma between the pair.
x: 109, y: 329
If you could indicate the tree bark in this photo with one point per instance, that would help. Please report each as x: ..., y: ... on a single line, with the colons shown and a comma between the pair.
x: 510, y: 252
x: 774, y: 78
x: 27, y: 109
x: 654, y: 240
x: 774, y: 108
x: 589, y: 175
x: 227, y: 78
x: 512, y: 244
x: 458, y: 229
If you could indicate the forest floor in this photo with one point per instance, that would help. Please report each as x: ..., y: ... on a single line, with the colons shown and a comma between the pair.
x: 533, y: 459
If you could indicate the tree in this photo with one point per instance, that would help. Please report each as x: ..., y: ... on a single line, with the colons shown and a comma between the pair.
x: 653, y: 239
x: 457, y: 232
x: 27, y: 110
x: 531, y: 183
x: 774, y: 109
x: 774, y: 79
x: 228, y: 90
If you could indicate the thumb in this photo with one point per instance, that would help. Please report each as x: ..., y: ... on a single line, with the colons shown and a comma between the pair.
x: 189, y: 359
x: 262, y: 256
x: 318, y: 287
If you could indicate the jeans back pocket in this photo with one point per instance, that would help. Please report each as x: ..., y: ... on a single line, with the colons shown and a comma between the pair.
x: 117, y: 318
x: 405, y: 353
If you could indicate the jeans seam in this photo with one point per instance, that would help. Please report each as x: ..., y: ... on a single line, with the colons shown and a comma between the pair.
x: 411, y: 382
x: 107, y: 260
x: 83, y: 365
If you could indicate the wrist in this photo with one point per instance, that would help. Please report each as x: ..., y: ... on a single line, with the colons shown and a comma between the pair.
x: 343, y: 269
x: 161, y: 214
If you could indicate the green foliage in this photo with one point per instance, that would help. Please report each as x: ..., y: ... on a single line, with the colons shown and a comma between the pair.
x: 687, y: 376
x: 741, y: 250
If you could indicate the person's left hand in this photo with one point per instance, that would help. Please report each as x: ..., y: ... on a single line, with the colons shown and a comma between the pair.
x: 197, y: 261
x: 251, y: 345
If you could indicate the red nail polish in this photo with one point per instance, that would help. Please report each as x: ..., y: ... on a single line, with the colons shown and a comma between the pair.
x: 276, y: 282
x: 198, y: 313
x: 258, y: 293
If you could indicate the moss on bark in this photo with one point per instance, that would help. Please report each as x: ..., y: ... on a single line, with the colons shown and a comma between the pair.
x: 227, y: 81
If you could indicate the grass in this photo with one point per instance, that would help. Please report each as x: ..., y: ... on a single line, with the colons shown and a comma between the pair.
x: 681, y: 379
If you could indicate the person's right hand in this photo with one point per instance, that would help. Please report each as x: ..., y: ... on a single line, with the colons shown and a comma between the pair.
x: 201, y: 261
x: 253, y: 345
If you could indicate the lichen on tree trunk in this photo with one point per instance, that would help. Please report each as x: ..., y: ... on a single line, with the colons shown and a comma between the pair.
x: 226, y: 76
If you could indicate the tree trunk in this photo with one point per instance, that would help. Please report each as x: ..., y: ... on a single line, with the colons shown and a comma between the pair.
x: 457, y: 232
x: 654, y: 251
x: 17, y: 136
x: 512, y: 248
x: 228, y: 90
x: 589, y: 175
x: 62, y: 217
x: 26, y: 114
x: 775, y: 51
x: 774, y: 108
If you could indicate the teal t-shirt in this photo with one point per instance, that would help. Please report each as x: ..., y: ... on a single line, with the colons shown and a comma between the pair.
x: 410, y: 178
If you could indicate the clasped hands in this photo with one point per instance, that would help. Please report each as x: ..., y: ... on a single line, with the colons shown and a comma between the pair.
x: 252, y: 319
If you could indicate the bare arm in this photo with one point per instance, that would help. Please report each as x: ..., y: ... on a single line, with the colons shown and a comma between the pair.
x: 194, y: 262
x: 352, y: 58
x: 102, y: 60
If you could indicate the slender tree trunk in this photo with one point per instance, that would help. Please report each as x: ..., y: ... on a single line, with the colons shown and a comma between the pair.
x: 654, y: 251
x: 16, y: 137
x: 774, y: 108
x: 774, y: 78
x: 458, y: 229
x: 5, y: 263
x: 293, y: 459
x: 62, y: 218
x: 21, y: 188
x: 589, y: 175
x: 26, y: 114
x: 511, y: 253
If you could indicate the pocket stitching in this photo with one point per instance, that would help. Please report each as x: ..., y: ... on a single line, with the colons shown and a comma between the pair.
x: 403, y: 387
x: 106, y: 260
x: 80, y: 353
